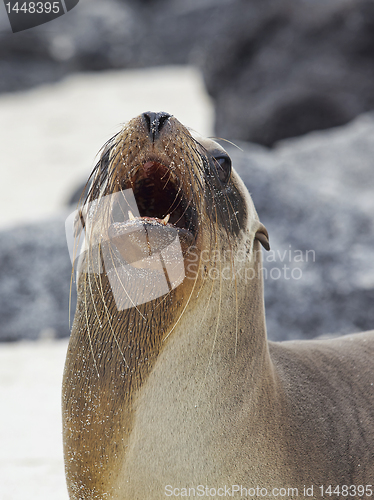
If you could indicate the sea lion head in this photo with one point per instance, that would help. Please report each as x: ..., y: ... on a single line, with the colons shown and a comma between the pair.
x: 166, y: 206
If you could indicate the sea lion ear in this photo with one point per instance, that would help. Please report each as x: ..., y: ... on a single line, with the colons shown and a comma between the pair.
x: 263, y: 237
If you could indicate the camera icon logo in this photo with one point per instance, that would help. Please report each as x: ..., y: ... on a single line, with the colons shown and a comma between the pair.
x: 143, y: 258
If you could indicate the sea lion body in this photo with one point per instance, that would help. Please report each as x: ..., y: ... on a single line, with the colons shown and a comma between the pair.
x: 184, y: 392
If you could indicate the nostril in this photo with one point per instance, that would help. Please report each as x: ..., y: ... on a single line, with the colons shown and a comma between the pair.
x: 155, y: 122
x: 162, y: 119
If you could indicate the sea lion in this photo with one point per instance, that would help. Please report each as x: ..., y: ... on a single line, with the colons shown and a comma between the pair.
x: 180, y: 393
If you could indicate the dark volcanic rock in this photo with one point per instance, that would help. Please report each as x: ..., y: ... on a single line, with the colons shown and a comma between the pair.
x: 281, y: 69
x: 315, y: 196
x: 275, y: 69
x: 35, y: 272
x: 97, y: 35
x: 93, y: 36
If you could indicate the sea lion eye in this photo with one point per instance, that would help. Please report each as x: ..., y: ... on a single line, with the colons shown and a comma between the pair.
x: 223, y: 166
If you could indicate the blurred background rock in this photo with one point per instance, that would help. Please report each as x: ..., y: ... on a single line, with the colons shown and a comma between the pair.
x: 274, y: 70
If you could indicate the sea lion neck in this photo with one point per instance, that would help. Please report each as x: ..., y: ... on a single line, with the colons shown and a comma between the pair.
x: 168, y: 382
x: 115, y: 360
x: 164, y: 210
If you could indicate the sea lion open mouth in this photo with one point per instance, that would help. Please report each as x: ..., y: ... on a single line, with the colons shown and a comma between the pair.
x: 162, y: 221
x: 161, y: 200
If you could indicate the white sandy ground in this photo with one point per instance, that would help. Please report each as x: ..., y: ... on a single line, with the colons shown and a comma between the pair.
x: 48, y: 141
x: 31, y: 457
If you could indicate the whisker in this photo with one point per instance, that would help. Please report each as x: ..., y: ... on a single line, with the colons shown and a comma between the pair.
x: 108, y: 314
x: 123, y: 286
x: 218, y: 318
x: 88, y: 326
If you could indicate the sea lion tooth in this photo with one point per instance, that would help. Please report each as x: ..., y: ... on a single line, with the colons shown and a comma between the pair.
x: 165, y: 220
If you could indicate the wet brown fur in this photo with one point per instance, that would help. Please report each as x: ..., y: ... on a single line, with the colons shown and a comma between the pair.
x: 186, y: 390
x: 111, y: 352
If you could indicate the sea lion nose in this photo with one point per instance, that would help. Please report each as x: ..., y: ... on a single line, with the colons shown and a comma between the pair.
x: 155, y: 122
